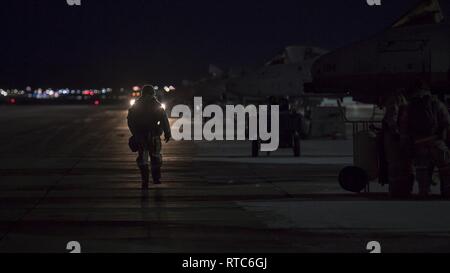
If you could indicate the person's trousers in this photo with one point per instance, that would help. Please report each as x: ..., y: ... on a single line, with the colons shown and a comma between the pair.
x: 400, y: 166
x: 150, y: 155
x: 428, y: 156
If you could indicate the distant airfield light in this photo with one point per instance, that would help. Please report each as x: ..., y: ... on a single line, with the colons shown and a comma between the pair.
x: 169, y: 88
x: 28, y: 89
x: 88, y: 93
x: 12, y: 101
x: 132, y: 102
x: 97, y: 102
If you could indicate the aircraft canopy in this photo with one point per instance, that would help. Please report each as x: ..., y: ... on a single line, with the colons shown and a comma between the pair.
x: 426, y: 12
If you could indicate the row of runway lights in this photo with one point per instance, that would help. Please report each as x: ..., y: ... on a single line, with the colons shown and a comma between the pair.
x: 42, y: 94
x: 50, y: 93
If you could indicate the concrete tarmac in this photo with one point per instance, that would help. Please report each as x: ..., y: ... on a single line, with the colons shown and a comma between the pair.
x: 66, y: 174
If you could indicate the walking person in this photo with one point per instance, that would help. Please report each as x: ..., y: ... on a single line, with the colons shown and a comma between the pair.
x: 428, y: 127
x: 147, y: 121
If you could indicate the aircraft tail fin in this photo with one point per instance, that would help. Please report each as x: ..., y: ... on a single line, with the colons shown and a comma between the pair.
x: 215, y: 71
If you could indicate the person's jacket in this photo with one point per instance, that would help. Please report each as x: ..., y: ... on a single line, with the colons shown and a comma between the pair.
x: 147, y: 116
x: 395, y: 104
x: 440, y: 110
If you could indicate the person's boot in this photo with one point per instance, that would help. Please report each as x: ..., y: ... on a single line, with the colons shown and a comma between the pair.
x: 156, y: 174
x: 445, y: 184
x: 424, y: 180
x: 145, y: 174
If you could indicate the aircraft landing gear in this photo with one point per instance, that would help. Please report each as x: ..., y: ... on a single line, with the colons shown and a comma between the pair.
x: 295, y: 144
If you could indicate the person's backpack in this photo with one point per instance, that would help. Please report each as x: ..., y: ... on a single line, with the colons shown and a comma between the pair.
x: 422, y: 119
x: 133, y: 144
x: 145, y: 116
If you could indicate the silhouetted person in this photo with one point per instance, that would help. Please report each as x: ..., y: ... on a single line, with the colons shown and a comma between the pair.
x: 395, y: 138
x: 147, y: 121
x: 429, y: 127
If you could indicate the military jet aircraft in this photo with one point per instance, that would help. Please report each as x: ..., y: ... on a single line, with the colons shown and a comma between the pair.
x: 417, y: 45
x: 282, y: 76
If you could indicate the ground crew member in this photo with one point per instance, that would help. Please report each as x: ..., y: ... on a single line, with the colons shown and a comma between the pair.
x: 399, y: 162
x: 147, y: 120
x: 428, y: 126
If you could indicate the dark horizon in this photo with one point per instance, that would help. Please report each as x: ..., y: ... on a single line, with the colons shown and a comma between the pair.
x: 122, y: 43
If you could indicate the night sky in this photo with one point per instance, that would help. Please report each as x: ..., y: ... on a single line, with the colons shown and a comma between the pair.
x: 120, y: 43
